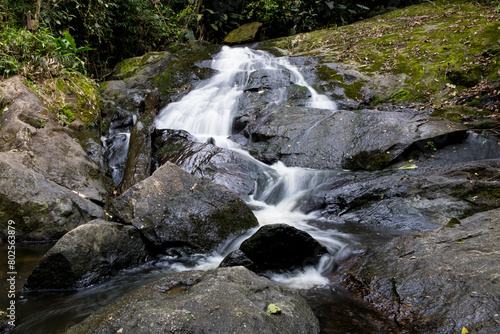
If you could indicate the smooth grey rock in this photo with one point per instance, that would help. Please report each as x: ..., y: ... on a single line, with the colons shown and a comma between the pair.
x: 364, y: 139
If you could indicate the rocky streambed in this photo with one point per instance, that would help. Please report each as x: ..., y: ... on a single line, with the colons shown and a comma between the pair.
x: 177, y: 199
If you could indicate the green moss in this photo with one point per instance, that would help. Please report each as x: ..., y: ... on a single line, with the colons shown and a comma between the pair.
x: 354, y: 90
x: 367, y: 160
x: 402, y: 95
x: 465, y: 76
x: 66, y: 114
x: 481, y: 196
x: 425, y: 45
x: 168, y: 149
x: 453, y: 222
x: 130, y: 67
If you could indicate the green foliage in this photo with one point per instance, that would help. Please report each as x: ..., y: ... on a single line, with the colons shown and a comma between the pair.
x: 120, y: 29
x: 66, y: 114
x: 37, y: 54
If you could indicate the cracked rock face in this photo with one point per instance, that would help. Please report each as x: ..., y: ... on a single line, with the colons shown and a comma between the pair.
x: 419, y: 278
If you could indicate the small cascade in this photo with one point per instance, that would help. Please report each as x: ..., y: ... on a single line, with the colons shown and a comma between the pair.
x: 116, y: 146
x: 208, y: 111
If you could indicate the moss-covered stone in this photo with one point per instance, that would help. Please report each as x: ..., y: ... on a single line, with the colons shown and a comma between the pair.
x: 244, y: 34
x: 365, y: 160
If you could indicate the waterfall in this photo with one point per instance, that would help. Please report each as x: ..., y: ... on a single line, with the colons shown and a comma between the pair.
x: 208, y: 111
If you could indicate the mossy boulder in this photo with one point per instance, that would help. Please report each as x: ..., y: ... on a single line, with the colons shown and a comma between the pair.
x: 50, y: 184
x: 53, y: 149
x: 41, y: 209
x: 87, y: 255
x: 173, y: 72
x: 173, y: 208
x: 244, y: 34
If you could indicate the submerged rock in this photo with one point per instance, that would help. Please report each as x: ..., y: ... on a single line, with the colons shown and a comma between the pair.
x: 87, y: 255
x: 437, y: 281
x: 174, y: 208
x: 227, y: 300
x: 277, y: 247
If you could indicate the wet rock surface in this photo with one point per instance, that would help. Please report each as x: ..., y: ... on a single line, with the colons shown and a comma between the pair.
x: 226, y: 300
x: 173, y: 73
x: 277, y: 248
x: 139, y: 156
x: 173, y: 208
x: 231, y: 169
x: 364, y: 139
x: 436, y: 281
x: 435, y: 189
x: 88, y: 254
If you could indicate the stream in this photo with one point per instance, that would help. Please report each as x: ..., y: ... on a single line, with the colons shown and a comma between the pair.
x: 207, y: 113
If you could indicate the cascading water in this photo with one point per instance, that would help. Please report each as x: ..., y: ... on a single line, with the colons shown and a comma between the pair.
x: 208, y: 111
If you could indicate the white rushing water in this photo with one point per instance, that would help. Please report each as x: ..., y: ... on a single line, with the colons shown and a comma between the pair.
x: 208, y: 111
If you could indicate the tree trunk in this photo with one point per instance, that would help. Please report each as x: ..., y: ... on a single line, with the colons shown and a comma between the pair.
x: 37, y: 14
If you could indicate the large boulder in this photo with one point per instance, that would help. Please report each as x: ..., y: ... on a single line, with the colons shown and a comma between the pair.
x: 278, y: 248
x: 238, y: 172
x: 436, y: 281
x: 88, y: 254
x: 174, y: 208
x: 41, y: 209
x: 364, y: 139
x: 26, y: 125
x: 227, y: 300
x: 49, y: 183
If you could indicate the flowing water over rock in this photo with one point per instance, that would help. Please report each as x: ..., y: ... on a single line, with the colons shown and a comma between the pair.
x: 208, y: 112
